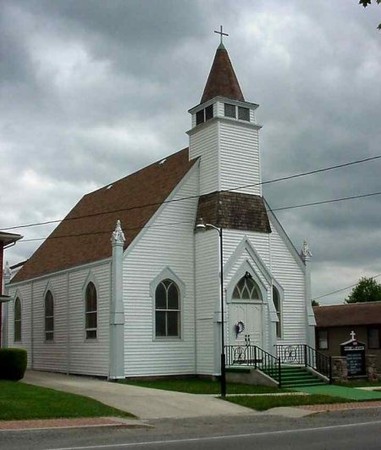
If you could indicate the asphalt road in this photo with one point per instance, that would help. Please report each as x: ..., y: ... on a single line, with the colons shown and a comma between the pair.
x: 349, y: 430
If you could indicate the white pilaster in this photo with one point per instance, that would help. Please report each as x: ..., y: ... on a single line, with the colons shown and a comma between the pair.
x: 116, y: 369
x: 310, y: 317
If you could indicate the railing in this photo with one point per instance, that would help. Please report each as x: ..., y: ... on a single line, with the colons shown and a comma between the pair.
x: 254, y: 356
x: 303, y: 354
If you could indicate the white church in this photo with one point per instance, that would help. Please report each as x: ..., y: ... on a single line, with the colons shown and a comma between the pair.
x: 129, y: 283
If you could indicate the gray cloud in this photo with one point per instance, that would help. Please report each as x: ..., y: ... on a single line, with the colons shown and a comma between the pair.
x: 91, y: 91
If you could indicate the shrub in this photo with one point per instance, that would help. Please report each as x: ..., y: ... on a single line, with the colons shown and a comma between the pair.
x: 12, y: 363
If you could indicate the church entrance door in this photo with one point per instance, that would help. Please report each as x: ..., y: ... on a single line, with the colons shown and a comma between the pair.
x: 245, y: 324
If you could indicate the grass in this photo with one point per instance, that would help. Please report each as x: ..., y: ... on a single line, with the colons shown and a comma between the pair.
x: 201, y: 386
x: 260, y: 403
x: 264, y: 403
x: 19, y: 401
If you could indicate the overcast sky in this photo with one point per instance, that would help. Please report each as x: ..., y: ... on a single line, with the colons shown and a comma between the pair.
x: 93, y: 90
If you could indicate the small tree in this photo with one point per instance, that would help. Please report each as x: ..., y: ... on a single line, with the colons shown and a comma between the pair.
x: 366, y: 290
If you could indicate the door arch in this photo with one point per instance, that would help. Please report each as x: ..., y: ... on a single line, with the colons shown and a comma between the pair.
x: 245, y: 312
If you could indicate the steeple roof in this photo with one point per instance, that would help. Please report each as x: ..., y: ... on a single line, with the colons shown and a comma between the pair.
x: 222, y: 80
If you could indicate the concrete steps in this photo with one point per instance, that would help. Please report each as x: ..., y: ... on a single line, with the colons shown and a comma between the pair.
x: 295, y: 376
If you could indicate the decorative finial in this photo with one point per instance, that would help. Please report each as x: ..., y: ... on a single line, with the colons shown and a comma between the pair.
x: 7, y: 269
x: 118, y: 235
x: 221, y: 33
x: 305, y: 252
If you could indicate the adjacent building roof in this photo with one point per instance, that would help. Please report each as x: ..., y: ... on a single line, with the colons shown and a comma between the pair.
x: 9, y: 238
x: 346, y: 315
x: 84, y: 235
x: 222, y: 80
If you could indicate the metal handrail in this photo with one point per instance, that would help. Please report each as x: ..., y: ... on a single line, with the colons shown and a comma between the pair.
x: 303, y: 354
x: 256, y: 357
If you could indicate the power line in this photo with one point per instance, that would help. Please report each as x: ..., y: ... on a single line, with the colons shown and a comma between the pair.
x: 275, y: 180
x: 93, y: 233
x: 177, y: 223
x: 324, y: 202
x: 341, y: 290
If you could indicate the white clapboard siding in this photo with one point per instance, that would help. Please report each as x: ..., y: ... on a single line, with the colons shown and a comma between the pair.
x: 69, y: 351
x: 166, y: 243
x: 24, y: 294
x: 89, y: 356
x: 239, y: 157
x: 50, y: 355
x: 204, y: 143
x: 207, y: 299
x: 291, y: 276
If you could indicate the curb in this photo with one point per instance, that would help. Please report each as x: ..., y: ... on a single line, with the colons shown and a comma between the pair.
x: 50, y: 424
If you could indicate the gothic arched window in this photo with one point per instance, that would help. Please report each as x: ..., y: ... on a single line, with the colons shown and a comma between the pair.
x: 247, y: 289
x: 278, y: 309
x: 49, y: 316
x: 17, y: 320
x: 167, y: 309
x: 91, y: 311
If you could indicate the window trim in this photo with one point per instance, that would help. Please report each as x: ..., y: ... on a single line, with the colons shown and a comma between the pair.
x: 90, y: 330
x: 237, y: 112
x: 318, y: 339
x: 49, y: 332
x: 232, y: 108
x: 17, y: 321
x: 279, y: 312
x: 247, y: 300
x: 378, y: 328
x: 205, y: 114
x: 168, y: 310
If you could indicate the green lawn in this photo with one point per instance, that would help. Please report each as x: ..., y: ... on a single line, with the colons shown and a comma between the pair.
x: 200, y: 386
x: 19, y: 401
x: 260, y: 402
x: 264, y: 403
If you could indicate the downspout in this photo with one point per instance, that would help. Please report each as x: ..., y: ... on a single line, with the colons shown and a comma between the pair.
x: 6, y: 281
x: 31, y: 325
x: 68, y: 347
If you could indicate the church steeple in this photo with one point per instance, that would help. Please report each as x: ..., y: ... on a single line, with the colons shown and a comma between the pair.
x: 222, y: 80
x: 224, y: 133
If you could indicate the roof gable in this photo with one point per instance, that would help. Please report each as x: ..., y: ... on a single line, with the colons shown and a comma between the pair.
x: 84, y: 235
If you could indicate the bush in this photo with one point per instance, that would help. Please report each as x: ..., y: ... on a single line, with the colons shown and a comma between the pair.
x: 12, y: 363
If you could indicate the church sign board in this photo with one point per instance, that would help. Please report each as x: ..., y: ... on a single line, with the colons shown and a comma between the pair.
x: 354, y: 351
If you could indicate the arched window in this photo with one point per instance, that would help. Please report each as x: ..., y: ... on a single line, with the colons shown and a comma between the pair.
x: 49, y: 316
x: 278, y: 309
x: 246, y: 289
x: 91, y: 311
x: 17, y: 320
x: 167, y: 309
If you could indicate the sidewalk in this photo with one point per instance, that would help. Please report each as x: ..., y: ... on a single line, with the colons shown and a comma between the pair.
x: 145, y: 403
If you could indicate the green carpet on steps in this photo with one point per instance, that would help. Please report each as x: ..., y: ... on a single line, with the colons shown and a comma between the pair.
x: 341, y: 391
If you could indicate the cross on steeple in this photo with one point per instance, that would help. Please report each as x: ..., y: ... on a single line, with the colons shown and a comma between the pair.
x: 221, y: 33
x: 353, y: 335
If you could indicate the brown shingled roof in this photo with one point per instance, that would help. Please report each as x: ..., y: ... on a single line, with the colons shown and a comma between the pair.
x: 350, y: 314
x: 235, y: 211
x: 84, y: 235
x: 222, y: 80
